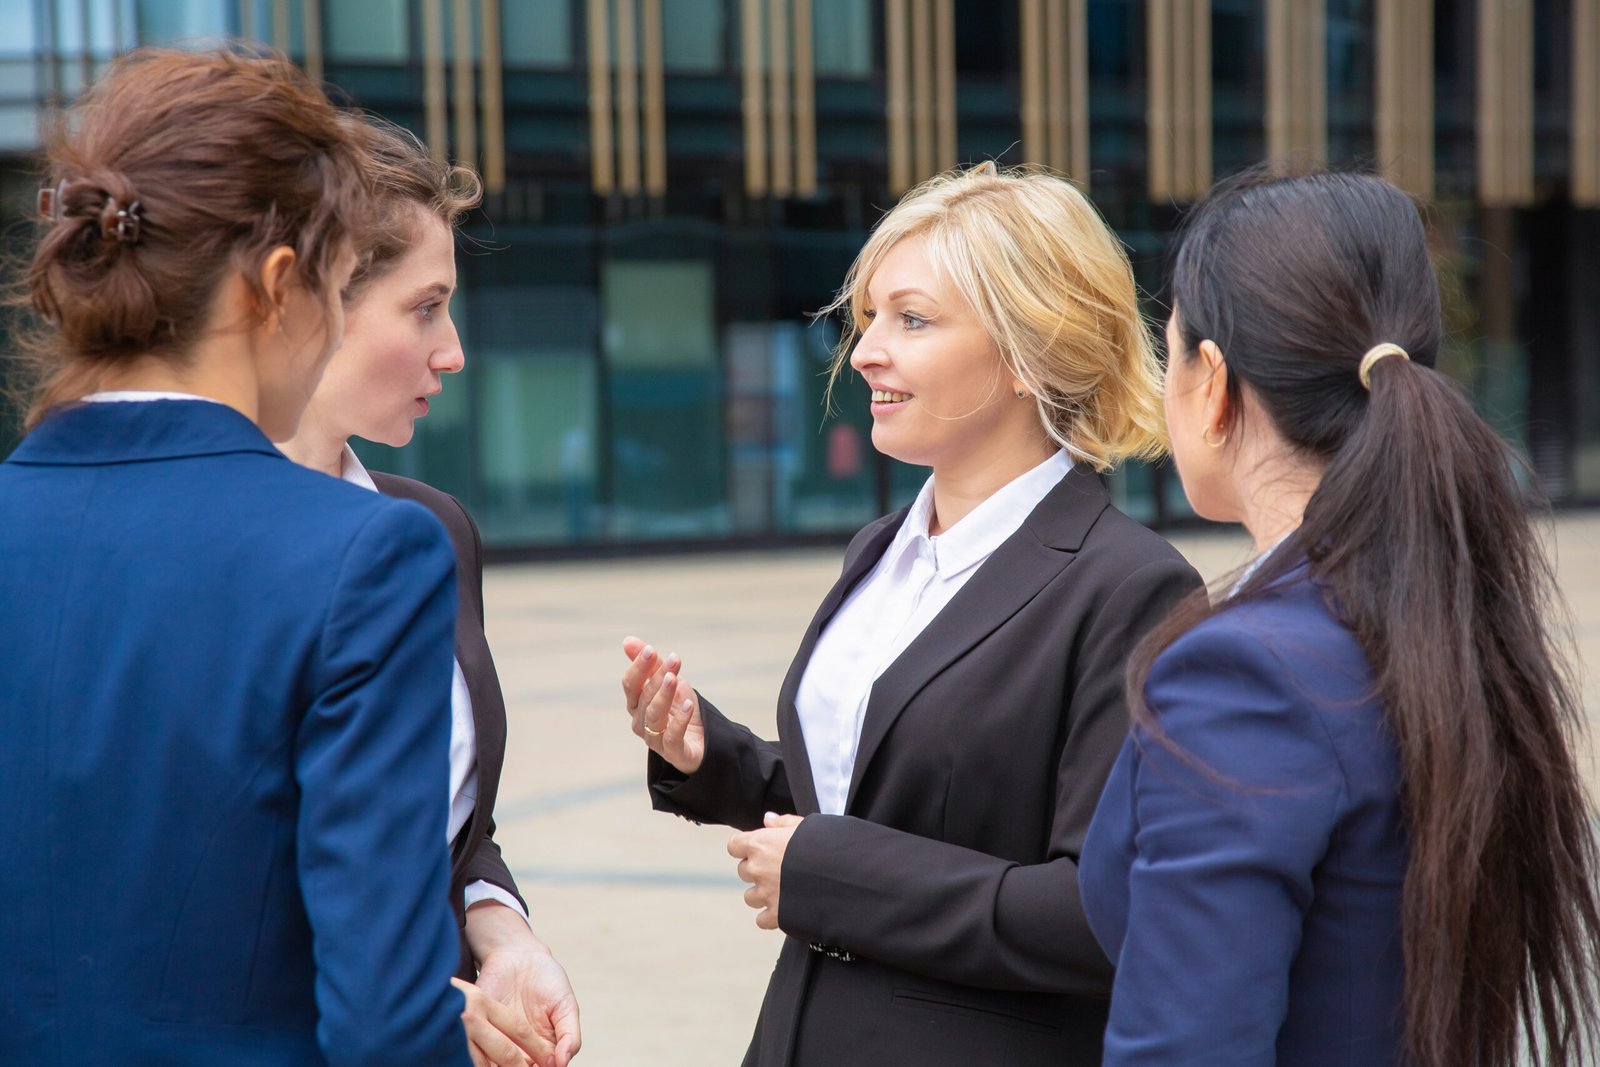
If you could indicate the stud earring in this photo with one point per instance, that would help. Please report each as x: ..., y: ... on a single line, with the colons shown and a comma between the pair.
x: 1022, y: 394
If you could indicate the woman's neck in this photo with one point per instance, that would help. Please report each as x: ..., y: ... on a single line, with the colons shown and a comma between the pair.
x: 215, y: 375
x: 315, y: 444
x: 1273, y: 498
x: 960, y: 487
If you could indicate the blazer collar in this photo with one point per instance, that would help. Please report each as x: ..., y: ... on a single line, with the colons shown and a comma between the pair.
x: 1013, y: 575
x: 95, y: 434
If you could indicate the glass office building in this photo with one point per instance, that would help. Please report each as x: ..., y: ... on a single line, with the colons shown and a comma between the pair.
x: 675, y: 186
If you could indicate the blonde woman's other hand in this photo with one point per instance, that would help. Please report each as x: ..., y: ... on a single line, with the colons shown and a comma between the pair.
x: 664, y: 708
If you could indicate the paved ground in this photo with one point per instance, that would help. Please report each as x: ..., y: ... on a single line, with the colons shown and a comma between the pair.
x: 644, y: 909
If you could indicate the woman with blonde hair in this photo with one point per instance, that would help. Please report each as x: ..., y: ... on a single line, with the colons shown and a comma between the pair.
x: 957, y: 701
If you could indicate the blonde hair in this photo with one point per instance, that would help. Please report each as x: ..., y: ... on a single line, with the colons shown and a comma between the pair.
x: 1053, y: 288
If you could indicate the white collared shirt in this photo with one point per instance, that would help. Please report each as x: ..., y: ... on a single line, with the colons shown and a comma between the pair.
x: 463, y: 735
x: 916, y: 577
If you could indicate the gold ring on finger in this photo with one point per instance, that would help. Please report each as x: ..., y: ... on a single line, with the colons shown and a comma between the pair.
x: 652, y: 733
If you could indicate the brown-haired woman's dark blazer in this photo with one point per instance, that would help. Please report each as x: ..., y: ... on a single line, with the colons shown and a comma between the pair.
x: 474, y: 855
x: 937, y: 921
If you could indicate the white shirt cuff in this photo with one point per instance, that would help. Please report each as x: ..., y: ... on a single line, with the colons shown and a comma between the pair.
x: 478, y: 892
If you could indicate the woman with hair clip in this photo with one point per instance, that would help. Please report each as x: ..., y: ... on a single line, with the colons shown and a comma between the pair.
x: 956, y: 702
x: 399, y: 342
x: 1349, y: 828
x: 226, y: 679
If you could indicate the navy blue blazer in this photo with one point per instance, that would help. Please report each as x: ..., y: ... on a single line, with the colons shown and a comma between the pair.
x: 1252, y: 904
x: 224, y: 692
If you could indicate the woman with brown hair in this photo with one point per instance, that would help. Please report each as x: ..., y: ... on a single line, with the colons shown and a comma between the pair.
x: 226, y: 683
x: 956, y: 702
x: 1349, y: 828
x: 399, y: 343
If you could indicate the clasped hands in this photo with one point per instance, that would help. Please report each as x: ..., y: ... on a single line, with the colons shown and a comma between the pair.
x: 521, y: 1011
x: 666, y: 717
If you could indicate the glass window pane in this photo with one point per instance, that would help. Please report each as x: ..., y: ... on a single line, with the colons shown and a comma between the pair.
x: 537, y: 33
x: 664, y: 397
x: 538, y: 397
x: 694, y: 35
x: 171, y: 21
x: 367, y: 30
x: 843, y: 31
x: 17, y: 29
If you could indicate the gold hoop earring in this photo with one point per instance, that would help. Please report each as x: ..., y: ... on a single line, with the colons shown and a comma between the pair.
x: 1205, y: 435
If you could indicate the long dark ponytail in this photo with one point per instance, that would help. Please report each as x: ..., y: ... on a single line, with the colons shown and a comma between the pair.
x: 1421, y: 533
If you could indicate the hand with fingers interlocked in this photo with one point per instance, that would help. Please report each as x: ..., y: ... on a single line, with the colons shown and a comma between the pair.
x: 664, y: 709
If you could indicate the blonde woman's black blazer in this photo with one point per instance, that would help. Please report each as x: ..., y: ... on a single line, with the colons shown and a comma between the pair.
x: 937, y: 921
x: 474, y: 855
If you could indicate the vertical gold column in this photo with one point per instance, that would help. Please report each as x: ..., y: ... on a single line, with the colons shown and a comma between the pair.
x: 898, y: 93
x: 1158, y: 107
x: 1183, y: 76
x: 1505, y: 102
x: 1585, y: 103
x: 1404, y: 121
x: 755, y: 100
x: 628, y: 170
x: 602, y: 161
x: 1055, y: 64
x: 280, y: 25
x: 1035, y: 141
x: 85, y: 57
x: 1297, y: 75
x: 779, y: 113
x: 1178, y: 53
x: 466, y: 100
x: 805, y: 101
x: 944, y: 65
x: 922, y: 99
x: 494, y: 117
x: 1200, y: 98
x: 433, y: 91
x: 1076, y: 162
x: 655, y: 100
x: 311, y: 17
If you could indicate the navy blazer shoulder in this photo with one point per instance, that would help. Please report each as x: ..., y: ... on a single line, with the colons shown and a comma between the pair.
x: 1248, y: 885
x: 225, y: 696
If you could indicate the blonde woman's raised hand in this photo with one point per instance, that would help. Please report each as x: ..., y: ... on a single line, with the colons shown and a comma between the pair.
x: 664, y: 708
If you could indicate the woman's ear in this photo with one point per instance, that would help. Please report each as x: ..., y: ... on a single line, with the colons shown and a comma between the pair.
x: 277, y: 278
x: 1218, y: 411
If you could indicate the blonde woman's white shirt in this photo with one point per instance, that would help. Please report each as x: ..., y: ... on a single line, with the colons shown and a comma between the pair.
x: 915, y: 579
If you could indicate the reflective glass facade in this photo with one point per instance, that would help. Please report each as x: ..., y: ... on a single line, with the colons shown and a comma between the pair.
x: 642, y: 364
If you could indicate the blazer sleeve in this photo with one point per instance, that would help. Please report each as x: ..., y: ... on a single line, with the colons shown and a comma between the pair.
x: 741, y: 778
x: 1227, y: 839
x: 486, y: 864
x: 371, y: 760
x: 966, y: 916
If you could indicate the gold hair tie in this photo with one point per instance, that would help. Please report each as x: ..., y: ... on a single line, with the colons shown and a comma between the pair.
x: 1375, y: 353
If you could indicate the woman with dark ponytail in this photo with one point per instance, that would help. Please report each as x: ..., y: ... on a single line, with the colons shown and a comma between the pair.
x: 1349, y: 827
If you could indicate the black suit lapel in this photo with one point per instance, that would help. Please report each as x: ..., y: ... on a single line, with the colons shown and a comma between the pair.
x: 1013, y: 575
x: 801, y: 784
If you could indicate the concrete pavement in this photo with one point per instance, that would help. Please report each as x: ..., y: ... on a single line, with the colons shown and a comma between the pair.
x: 644, y: 909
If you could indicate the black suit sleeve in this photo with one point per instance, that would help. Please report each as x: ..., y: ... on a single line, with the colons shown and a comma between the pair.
x: 741, y: 778
x: 486, y: 864
x: 961, y: 915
